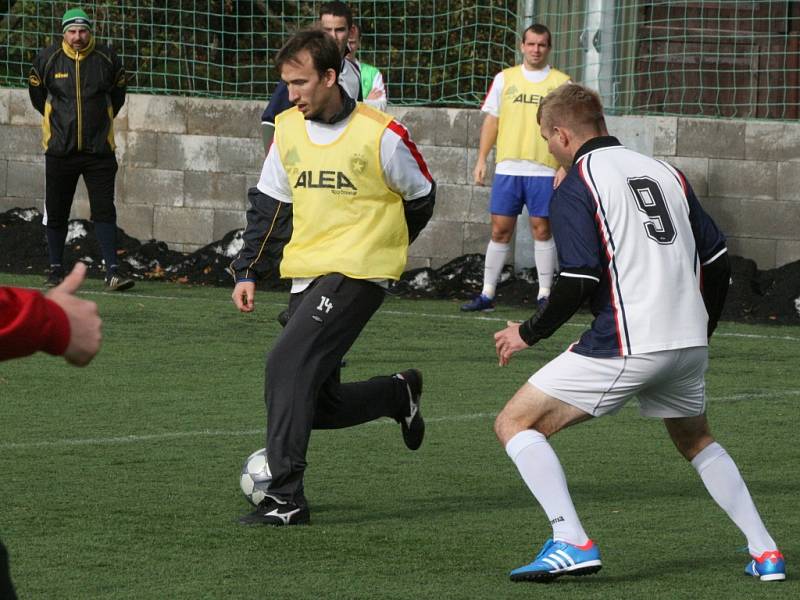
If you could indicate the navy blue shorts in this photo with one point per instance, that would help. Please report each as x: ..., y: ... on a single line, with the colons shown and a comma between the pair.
x: 511, y: 192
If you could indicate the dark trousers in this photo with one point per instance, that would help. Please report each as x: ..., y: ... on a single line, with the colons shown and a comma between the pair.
x: 302, y: 389
x: 6, y: 587
x: 61, y: 179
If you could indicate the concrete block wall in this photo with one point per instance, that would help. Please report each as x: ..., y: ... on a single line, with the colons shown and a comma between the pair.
x: 186, y: 164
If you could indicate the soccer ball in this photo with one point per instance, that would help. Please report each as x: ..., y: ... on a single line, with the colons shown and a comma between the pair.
x: 255, y: 477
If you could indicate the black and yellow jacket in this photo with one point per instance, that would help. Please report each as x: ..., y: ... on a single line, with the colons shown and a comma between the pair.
x: 78, y: 94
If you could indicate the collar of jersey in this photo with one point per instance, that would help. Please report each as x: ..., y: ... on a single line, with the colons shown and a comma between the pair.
x: 77, y: 55
x: 603, y: 141
x: 348, y: 106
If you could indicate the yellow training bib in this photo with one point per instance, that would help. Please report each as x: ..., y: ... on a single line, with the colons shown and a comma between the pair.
x: 518, y: 136
x: 345, y: 218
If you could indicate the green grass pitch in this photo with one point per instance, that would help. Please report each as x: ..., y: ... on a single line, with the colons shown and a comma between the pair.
x: 121, y: 480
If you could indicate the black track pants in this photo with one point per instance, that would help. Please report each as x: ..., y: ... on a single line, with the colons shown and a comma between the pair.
x: 61, y: 179
x: 303, y: 391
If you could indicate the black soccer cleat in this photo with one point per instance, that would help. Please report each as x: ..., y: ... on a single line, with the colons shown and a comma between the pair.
x: 55, y: 277
x: 283, y: 317
x: 118, y: 283
x: 277, y: 513
x: 411, y: 422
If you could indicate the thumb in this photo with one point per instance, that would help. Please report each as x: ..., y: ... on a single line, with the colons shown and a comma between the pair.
x: 510, y: 323
x: 74, y: 280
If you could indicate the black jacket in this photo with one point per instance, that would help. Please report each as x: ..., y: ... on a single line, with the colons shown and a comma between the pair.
x: 79, y: 94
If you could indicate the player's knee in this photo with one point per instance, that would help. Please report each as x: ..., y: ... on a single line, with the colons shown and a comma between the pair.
x: 541, y: 230
x: 499, y: 428
x: 507, y: 426
x: 278, y: 366
x: 502, y: 236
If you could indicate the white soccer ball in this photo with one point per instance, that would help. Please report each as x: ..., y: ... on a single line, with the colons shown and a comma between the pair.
x: 255, y: 477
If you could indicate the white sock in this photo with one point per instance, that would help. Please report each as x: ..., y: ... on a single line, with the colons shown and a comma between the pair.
x: 496, y: 254
x: 545, y: 257
x: 726, y: 486
x: 542, y: 472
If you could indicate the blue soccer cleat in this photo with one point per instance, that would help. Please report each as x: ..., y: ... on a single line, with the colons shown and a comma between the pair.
x: 480, y: 303
x: 767, y: 567
x: 560, y: 558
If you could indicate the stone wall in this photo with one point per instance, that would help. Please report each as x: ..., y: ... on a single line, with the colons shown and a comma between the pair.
x: 186, y: 164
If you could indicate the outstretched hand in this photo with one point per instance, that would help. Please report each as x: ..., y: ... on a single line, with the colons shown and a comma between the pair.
x: 85, y: 325
x: 508, y: 342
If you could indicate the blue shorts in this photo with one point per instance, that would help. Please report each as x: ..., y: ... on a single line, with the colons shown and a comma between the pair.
x: 511, y: 192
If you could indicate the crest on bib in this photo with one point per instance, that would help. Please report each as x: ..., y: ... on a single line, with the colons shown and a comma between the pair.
x: 358, y: 163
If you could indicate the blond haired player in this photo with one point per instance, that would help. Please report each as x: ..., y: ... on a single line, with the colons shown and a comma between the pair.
x: 634, y: 241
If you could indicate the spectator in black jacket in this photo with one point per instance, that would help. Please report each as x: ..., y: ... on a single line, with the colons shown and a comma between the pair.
x: 79, y: 87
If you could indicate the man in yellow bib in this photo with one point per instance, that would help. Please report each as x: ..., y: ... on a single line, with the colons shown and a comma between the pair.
x: 526, y: 172
x: 347, y: 188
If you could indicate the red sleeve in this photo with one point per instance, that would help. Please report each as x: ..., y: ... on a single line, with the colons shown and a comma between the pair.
x: 29, y: 322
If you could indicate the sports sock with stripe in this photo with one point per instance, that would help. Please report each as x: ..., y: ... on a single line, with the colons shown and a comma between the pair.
x: 726, y: 486
x: 496, y: 254
x: 542, y: 472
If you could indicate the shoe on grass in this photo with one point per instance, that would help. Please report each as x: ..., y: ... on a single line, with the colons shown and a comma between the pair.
x: 411, y: 422
x: 118, y: 283
x: 277, y: 513
x: 55, y: 277
x: 479, y: 303
x: 558, y: 558
x: 770, y: 566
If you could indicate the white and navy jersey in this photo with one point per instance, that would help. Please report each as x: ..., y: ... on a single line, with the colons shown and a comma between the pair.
x: 634, y: 224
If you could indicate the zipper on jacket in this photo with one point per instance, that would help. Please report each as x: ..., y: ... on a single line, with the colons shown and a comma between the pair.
x: 78, y: 99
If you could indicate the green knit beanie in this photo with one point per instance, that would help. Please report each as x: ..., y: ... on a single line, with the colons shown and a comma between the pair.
x: 75, y: 17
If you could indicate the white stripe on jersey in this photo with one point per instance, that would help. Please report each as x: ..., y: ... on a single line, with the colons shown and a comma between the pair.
x: 607, y: 243
x: 580, y: 276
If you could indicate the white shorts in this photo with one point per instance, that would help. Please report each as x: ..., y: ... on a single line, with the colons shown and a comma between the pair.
x: 669, y: 384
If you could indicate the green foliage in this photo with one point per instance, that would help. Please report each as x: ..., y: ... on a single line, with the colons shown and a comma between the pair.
x: 428, y: 53
x: 120, y: 480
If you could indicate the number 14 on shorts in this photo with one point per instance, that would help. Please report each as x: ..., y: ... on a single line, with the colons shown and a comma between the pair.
x: 325, y: 305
